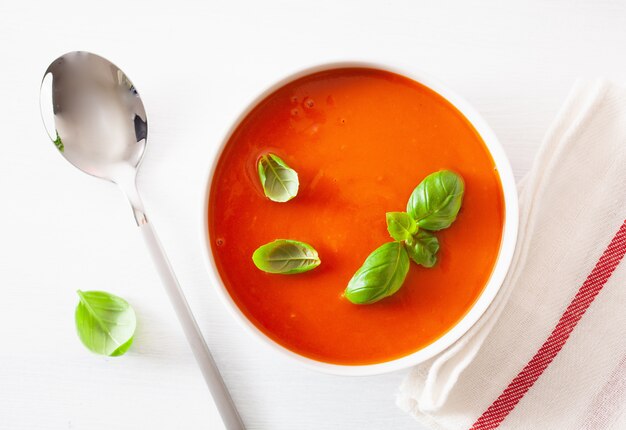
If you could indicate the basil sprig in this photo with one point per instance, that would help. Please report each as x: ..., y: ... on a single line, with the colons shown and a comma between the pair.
x: 433, y: 205
x: 286, y: 257
x: 280, y: 182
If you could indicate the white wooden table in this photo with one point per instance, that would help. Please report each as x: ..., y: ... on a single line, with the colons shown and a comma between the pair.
x: 196, y: 64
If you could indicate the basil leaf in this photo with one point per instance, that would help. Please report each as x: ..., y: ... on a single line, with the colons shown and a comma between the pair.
x: 400, y: 225
x: 381, y: 275
x: 105, y: 322
x: 286, y: 257
x: 436, y: 201
x: 422, y: 248
x: 279, y: 181
x: 59, y: 143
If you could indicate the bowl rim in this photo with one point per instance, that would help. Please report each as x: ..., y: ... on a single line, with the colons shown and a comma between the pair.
x: 501, y: 267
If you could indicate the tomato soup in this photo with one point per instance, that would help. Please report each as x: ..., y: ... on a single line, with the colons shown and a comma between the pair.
x: 361, y: 140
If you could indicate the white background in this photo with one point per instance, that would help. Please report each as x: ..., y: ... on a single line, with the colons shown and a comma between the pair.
x: 196, y: 64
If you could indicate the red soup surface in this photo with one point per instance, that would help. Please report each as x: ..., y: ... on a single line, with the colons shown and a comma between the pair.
x: 361, y: 140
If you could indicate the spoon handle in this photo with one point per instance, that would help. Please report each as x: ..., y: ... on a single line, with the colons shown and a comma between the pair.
x: 211, y: 374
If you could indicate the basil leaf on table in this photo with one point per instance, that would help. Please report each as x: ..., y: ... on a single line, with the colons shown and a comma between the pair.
x: 280, y: 182
x: 400, y: 225
x: 105, y: 322
x: 381, y: 275
x: 286, y: 257
x: 436, y: 201
x: 422, y: 248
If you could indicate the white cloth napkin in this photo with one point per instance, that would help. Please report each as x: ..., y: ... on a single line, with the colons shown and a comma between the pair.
x: 572, y: 233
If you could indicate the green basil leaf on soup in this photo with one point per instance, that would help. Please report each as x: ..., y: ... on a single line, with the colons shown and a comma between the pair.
x: 422, y: 248
x: 280, y: 182
x: 286, y: 257
x: 436, y: 201
x: 401, y: 225
x: 105, y: 322
x: 381, y: 275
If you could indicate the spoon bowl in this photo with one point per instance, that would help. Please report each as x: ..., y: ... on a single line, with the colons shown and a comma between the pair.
x: 94, y: 114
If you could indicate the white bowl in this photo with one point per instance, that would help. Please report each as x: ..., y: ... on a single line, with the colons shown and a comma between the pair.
x: 507, y: 246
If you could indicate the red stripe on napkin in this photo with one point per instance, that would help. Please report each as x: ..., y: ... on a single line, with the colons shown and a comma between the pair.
x: 506, y: 402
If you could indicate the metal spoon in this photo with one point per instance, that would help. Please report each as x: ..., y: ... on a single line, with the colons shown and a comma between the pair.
x: 95, y: 117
